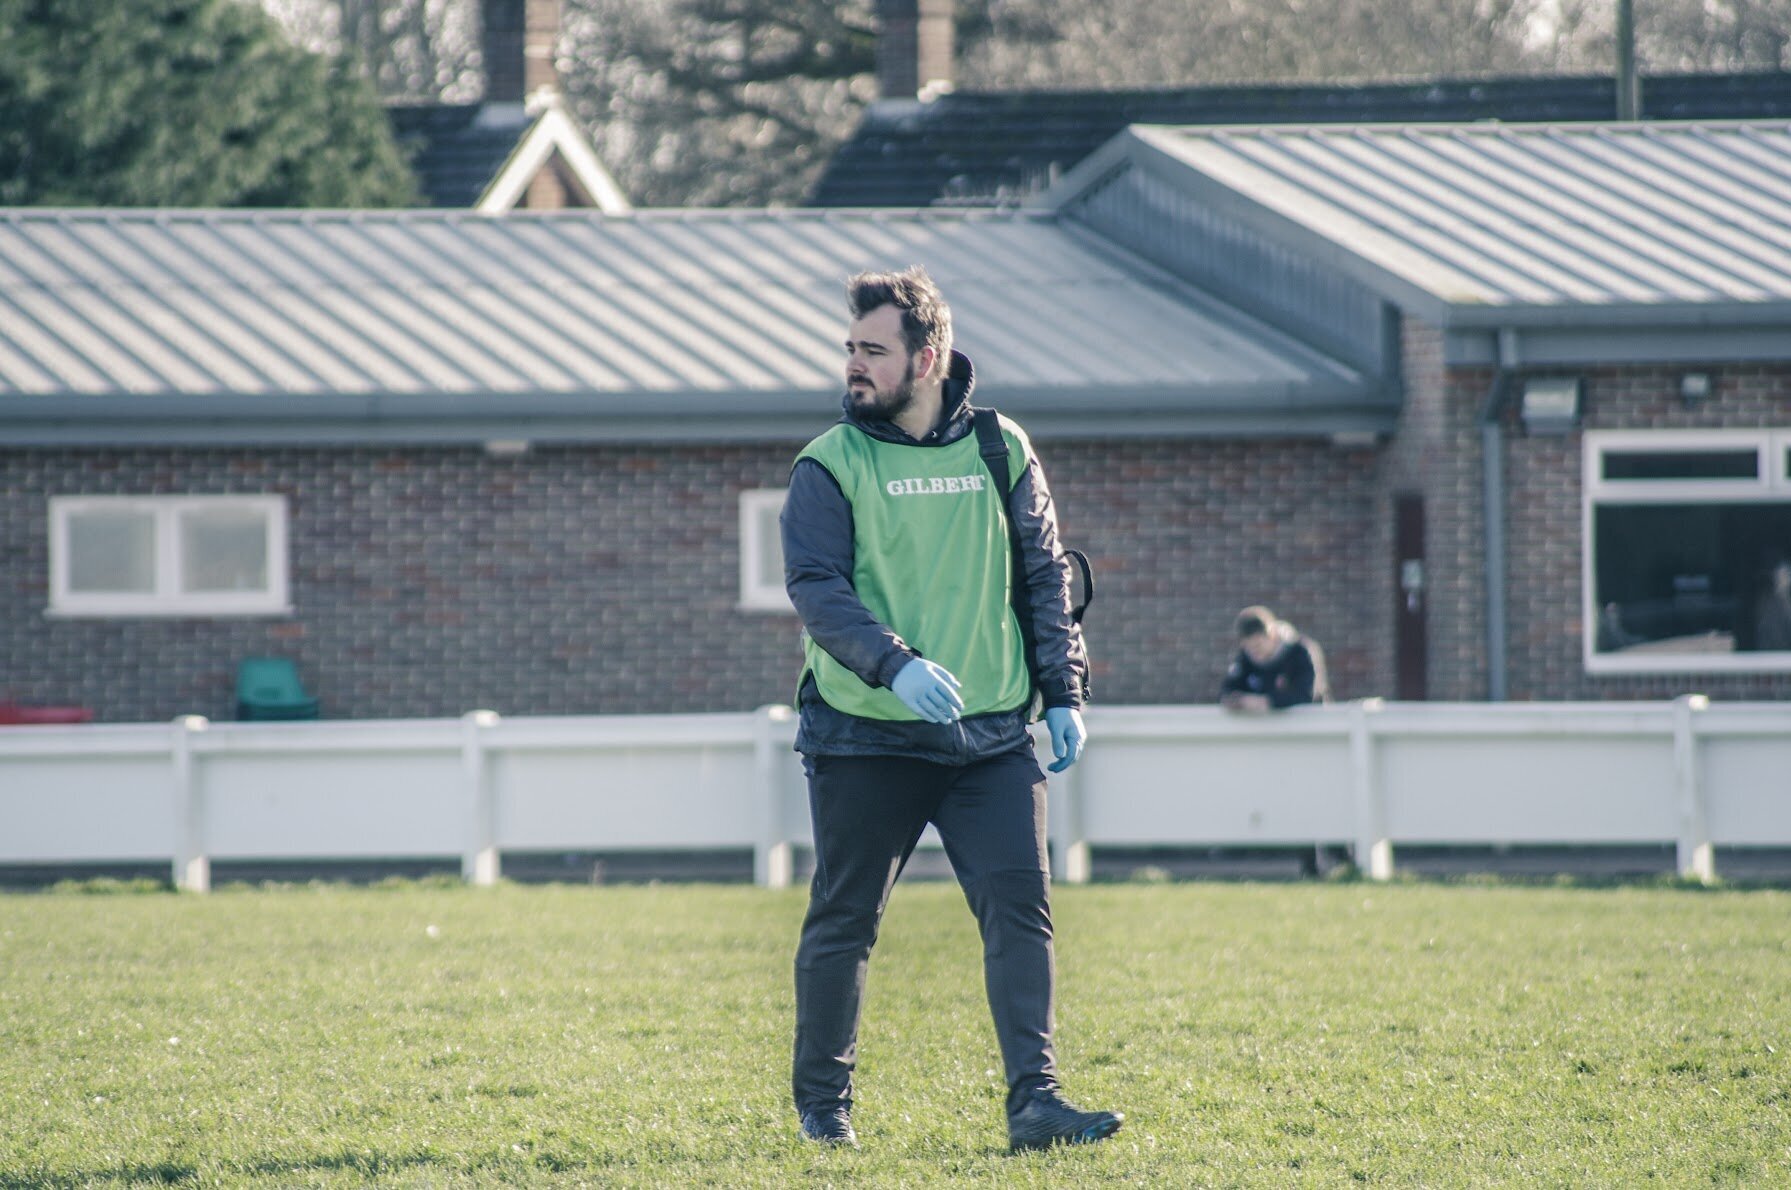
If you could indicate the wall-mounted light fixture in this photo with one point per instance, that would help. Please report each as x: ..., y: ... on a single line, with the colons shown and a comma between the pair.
x: 1694, y: 387
x: 1550, y: 404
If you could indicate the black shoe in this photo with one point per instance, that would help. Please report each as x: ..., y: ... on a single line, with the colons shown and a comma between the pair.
x: 1045, y: 1120
x: 830, y: 1126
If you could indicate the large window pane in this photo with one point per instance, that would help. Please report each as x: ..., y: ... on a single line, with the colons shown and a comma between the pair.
x: 111, y: 552
x: 223, y: 549
x: 1692, y: 578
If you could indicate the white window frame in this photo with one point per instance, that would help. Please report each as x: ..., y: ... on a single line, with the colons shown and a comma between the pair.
x: 167, y: 599
x: 759, y: 509
x: 1771, y: 484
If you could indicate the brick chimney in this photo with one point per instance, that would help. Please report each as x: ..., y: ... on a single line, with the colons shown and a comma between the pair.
x: 519, y: 39
x: 914, y: 48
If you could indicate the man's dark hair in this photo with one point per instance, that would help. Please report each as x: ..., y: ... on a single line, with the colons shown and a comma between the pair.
x: 1254, y: 620
x: 926, y: 319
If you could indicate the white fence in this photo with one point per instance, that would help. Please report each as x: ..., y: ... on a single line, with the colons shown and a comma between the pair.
x: 1372, y: 774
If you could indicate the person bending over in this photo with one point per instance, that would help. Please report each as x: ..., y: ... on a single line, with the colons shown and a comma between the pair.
x: 1274, y: 667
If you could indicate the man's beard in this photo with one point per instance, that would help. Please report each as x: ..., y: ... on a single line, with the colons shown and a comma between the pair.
x: 884, y: 404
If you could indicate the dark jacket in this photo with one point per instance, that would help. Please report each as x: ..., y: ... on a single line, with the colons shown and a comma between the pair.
x: 818, y: 560
x: 1287, y: 678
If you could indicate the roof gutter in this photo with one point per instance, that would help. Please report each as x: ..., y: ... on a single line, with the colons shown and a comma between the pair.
x: 1716, y: 313
x: 1321, y: 407
x: 1492, y: 499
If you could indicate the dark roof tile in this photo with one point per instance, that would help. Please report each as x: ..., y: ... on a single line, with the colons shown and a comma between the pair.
x: 454, y: 157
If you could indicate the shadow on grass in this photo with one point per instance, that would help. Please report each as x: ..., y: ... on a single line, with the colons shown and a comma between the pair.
x: 173, y: 1173
x: 1348, y: 873
x: 161, y: 1173
x: 1351, y: 875
x: 360, y: 1163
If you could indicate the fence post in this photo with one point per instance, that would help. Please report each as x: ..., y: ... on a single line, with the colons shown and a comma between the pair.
x: 1374, y: 851
x: 192, y: 866
x: 1070, y: 859
x: 480, y: 863
x: 1697, y: 860
x: 771, y: 859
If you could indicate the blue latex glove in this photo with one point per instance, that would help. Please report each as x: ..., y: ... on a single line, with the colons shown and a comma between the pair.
x: 1067, y: 735
x: 929, y: 691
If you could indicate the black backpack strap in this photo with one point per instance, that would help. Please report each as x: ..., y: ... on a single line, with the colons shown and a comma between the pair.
x: 992, y: 445
x: 993, y: 448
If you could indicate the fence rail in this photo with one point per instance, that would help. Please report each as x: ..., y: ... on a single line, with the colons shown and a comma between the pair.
x: 1367, y: 774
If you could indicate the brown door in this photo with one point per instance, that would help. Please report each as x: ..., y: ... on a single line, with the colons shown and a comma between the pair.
x: 1410, y: 591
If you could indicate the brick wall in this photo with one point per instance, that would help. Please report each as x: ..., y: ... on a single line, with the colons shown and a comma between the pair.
x: 1436, y: 451
x: 548, y: 190
x: 427, y: 582
x: 1544, y: 526
x: 518, y: 38
x: 1184, y: 533
x: 583, y: 580
x: 580, y: 580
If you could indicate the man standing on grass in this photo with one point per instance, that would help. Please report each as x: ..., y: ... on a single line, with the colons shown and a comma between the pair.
x: 915, y: 695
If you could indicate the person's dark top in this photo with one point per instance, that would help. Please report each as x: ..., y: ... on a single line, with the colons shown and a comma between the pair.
x: 818, y: 547
x: 1286, y: 678
x: 1772, y: 625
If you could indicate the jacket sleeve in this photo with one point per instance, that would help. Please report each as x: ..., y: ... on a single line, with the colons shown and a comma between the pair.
x: 1234, y: 681
x: 816, y: 526
x: 1057, y: 638
x: 1297, y: 691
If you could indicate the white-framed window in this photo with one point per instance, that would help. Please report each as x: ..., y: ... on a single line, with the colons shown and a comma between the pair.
x: 168, y: 556
x: 1687, y: 551
x: 762, y: 552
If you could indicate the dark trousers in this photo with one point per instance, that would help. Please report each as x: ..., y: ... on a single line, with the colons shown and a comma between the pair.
x: 869, y: 811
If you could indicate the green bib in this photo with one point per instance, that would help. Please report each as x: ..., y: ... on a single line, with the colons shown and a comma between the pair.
x: 930, y: 560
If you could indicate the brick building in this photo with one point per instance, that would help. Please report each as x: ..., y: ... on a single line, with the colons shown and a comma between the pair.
x: 533, y: 462
x: 1588, y: 494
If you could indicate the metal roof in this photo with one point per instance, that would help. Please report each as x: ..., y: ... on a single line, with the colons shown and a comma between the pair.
x: 972, y: 147
x: 312, y: 325
x: 1484, y: 224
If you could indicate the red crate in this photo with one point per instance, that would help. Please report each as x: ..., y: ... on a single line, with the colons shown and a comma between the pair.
x: 13, y: 714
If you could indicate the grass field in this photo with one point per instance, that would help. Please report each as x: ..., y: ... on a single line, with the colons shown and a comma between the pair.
x: 1255, y: 1034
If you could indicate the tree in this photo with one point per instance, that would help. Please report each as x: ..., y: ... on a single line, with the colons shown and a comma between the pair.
x: 1143, y: 43
x: 1713, y: 35
x: 1015, y: 43
x: 182, y: 103
x: 718, y: 102
x: 689, y: 102
x: 412, y: 50
x: 739, y: 102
